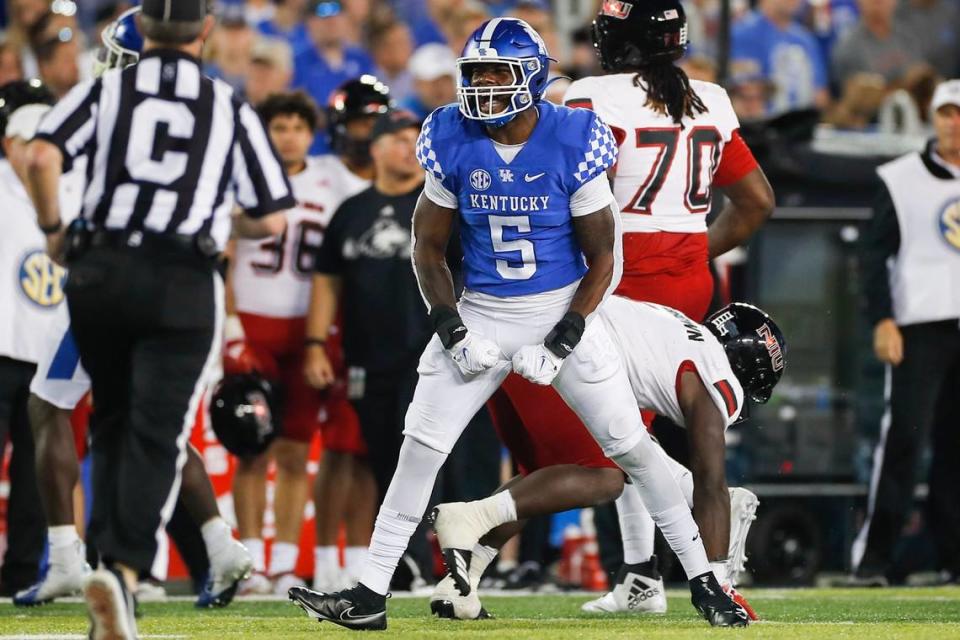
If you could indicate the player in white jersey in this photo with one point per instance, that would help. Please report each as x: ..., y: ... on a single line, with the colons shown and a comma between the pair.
x: 31, y: 304
x: 697, y: 375
x: 677, y: 140
x: 270, y: 282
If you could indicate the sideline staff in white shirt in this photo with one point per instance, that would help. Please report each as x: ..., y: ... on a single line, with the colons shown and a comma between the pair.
x: 911, y: 278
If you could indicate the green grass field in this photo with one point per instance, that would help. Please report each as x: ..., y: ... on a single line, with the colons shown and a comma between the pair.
x: 821, y: 614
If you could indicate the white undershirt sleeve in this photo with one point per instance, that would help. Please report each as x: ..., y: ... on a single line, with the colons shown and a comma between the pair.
x: 591, y: 197
x: 439, y: 194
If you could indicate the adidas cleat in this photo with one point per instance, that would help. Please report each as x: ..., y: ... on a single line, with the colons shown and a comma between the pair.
x: 358, y: 608
x: 456, y: 538
x: 638, y: 589
x: 447, y: 602
x: 714, y: 605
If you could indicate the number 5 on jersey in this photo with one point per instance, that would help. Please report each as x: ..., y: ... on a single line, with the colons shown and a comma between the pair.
x: 527, y: 256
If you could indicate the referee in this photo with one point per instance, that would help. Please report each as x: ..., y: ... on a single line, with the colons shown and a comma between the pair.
x: 911, y: 277
x: 170, y: 150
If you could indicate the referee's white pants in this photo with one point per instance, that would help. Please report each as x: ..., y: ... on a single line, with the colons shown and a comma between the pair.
x: 592, y: 379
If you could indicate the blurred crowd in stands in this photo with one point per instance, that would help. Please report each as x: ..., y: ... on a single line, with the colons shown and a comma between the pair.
x: 850, y: 59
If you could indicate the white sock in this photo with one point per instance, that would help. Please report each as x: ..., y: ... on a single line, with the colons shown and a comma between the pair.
x: 255, y: 547
x: 482, y: 557
x: 636, y: 527
x: 401, y: 512
x: 391, y: 534
x: 283, y: 558
x: 325, y: 559
x: 66, y: 549
x: 719, y: 568
x: 652, y: 477
x: 353, y: 558
x: 503, y: 566
x: 494, y: 511
x: 216, y: 535
x: 62, y: 536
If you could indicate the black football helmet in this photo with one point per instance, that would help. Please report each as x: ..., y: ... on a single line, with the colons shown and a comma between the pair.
x: 243, y: 413
x: 755, y: 347
x: 20, y: 93
x: 364, y: 96
x: 631, y: 34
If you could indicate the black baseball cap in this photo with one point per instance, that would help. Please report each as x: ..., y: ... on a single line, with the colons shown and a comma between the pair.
x: 394, y: 120
x: 175, y: 10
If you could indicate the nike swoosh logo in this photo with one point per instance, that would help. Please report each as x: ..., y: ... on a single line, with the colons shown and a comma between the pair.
x: 346, y: 615
x: 529, y: 178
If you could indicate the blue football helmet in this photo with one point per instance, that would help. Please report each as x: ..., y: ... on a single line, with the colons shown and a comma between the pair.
x: 122, y: 43
x: 510, y: 42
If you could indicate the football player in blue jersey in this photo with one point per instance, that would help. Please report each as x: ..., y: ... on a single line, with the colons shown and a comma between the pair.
x: 58, y: 386
x: 540, y: 236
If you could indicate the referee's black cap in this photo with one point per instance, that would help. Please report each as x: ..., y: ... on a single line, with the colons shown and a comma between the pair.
x: 175, y: 10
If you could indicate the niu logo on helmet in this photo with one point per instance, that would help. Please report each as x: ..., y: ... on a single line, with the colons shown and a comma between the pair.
x: 616, y: 9
x: 773, y: 347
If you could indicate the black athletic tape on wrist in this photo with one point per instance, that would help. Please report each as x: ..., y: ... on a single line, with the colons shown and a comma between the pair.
x: 448, y: 325
x: 565, y: 335
x: 50, y: 229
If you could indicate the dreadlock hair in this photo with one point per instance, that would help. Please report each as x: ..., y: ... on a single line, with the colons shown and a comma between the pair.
x: 668, y: 90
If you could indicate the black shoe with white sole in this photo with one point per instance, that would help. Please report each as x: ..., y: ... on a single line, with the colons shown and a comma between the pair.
x: 110, y: 606
x: 358, y: 608
x: 714, y: 605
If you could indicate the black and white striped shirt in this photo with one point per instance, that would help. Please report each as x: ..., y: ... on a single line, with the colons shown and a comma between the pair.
x: 170, y: 150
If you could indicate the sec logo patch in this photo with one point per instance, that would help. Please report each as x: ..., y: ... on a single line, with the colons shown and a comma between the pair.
x: 480, y: 180
x: 949, y: 223
x: 41, y: 279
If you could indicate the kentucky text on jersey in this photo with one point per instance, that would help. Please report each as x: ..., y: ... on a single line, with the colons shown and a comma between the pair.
x: 507, y: 251
x: 509, y: 204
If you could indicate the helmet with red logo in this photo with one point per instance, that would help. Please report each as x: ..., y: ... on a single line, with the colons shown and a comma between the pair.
x: 243, y: 414
x: 754, y: 345
x: 359, y: 98
x: 631, y: 34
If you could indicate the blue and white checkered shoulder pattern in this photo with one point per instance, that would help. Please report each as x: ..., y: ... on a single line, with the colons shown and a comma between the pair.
x: 426, y: 155
x: 601, y: 152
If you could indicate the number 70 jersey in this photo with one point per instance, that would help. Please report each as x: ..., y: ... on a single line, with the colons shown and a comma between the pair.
x: 665, y: 172
x: 272, y: 277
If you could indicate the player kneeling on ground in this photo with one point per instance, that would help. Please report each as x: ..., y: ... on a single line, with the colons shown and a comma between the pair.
x: 696, y: 375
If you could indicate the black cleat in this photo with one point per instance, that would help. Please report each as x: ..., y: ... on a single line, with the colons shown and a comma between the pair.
x: 358, y: 608
x: 714, y: 605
